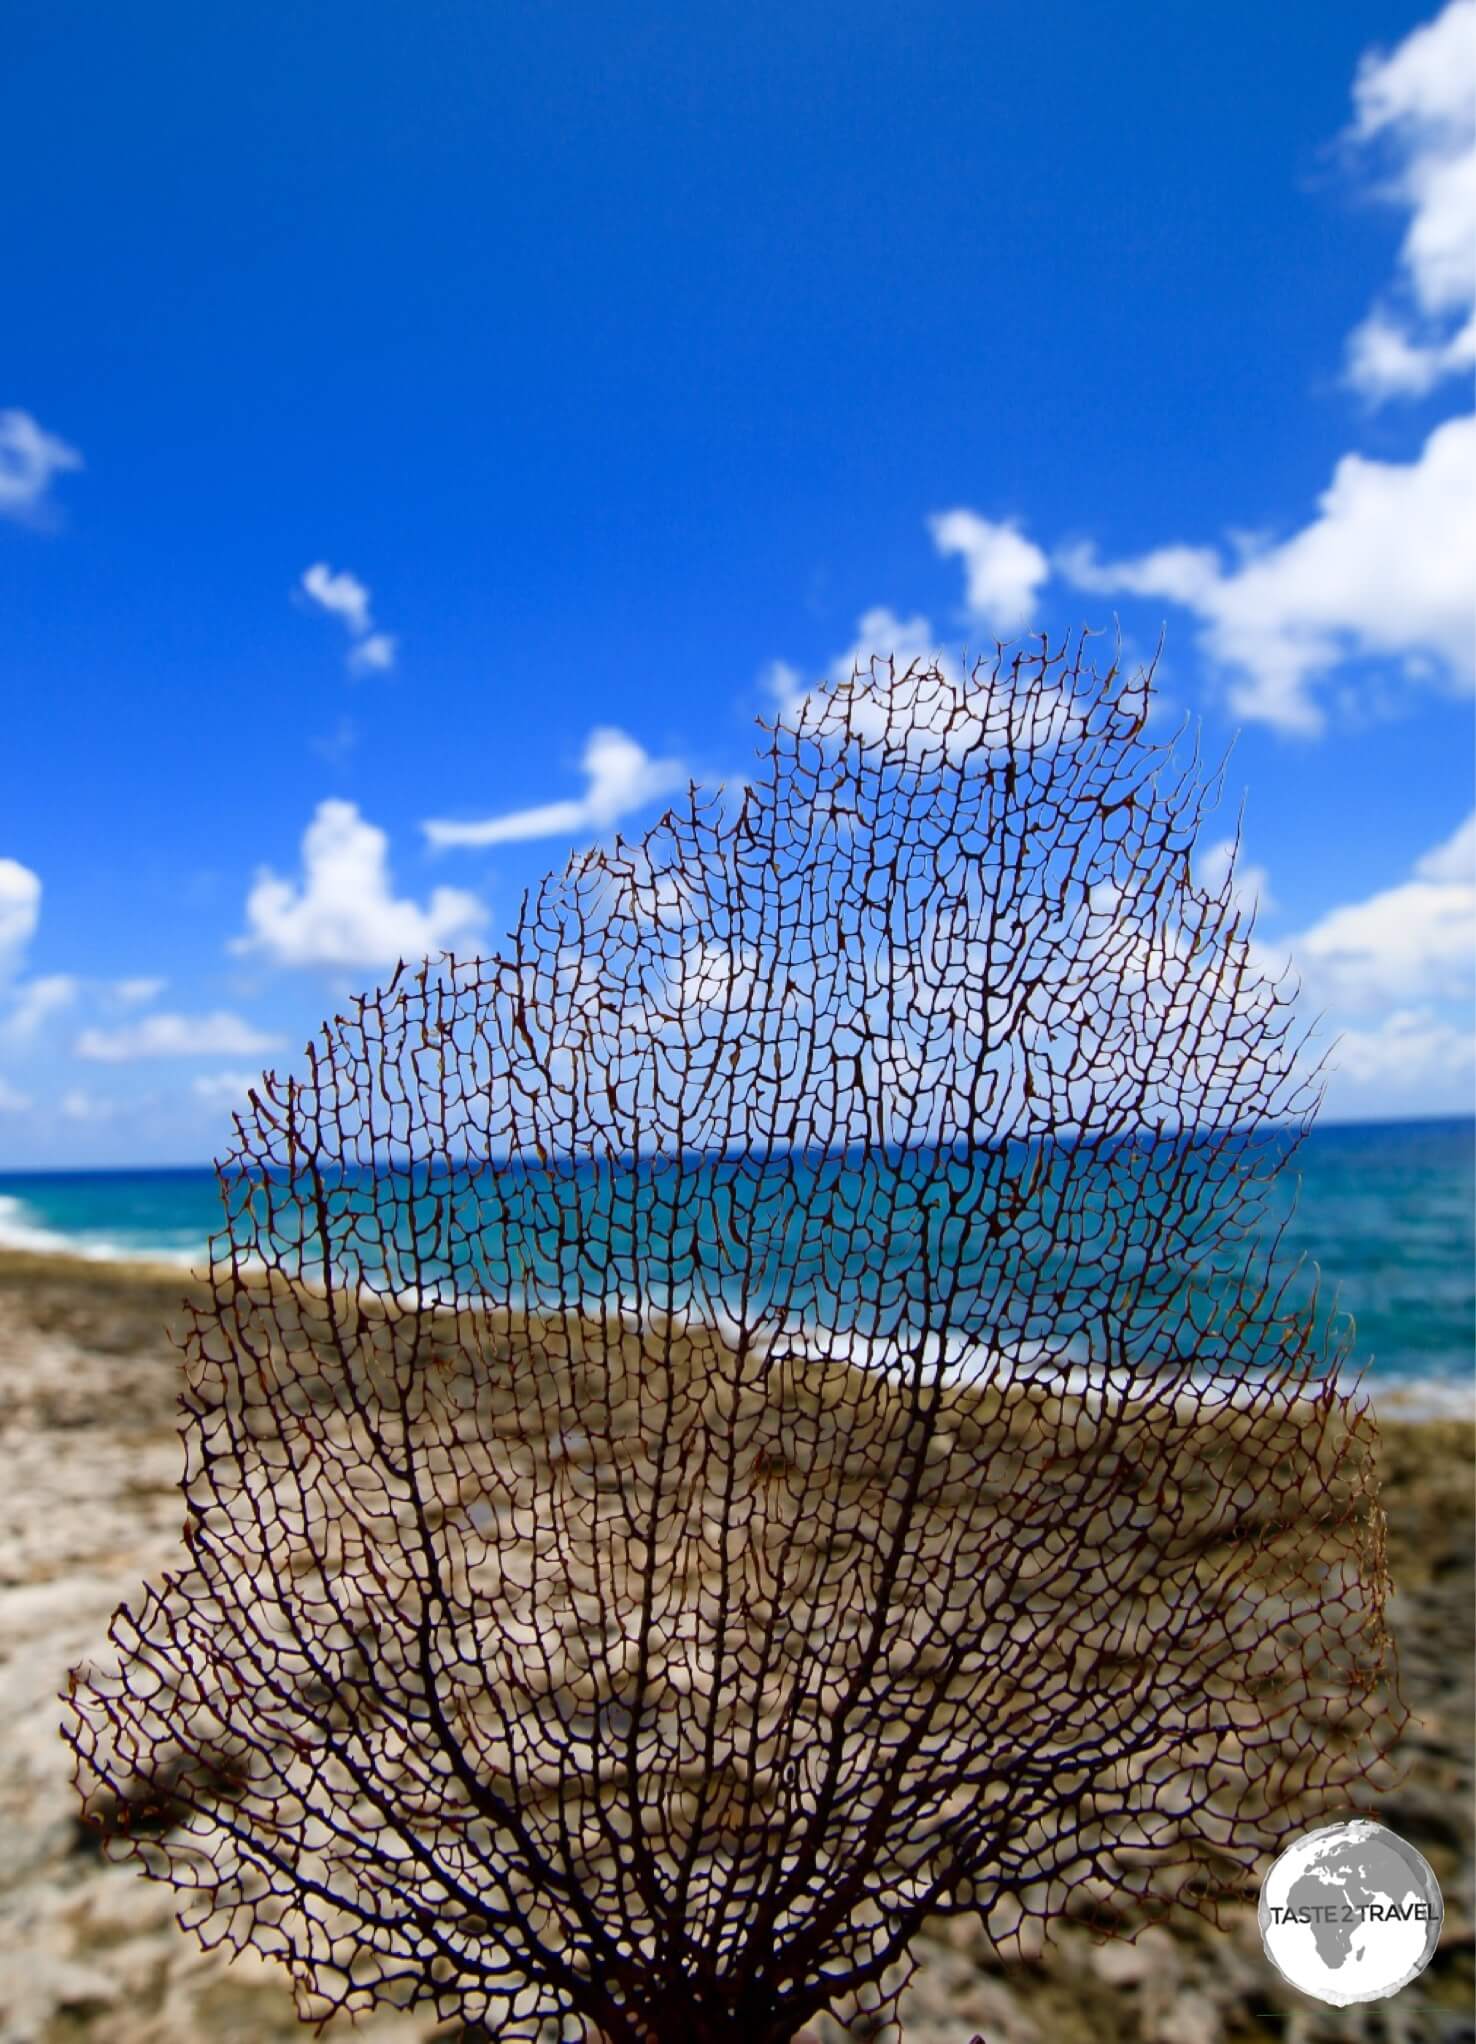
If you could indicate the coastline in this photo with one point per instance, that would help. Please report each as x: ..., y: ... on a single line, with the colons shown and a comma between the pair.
x: 135, y: 1274
x: 88, y: 1385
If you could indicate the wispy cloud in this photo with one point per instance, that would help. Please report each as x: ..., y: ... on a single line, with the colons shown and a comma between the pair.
x: 345, y: 597
x: 337, y: 746
x: 36, y: 1002
x: 137, y: 993
x: 620, y: 775
x: 1383, y: 569
x: 77, y: 1104
x: 374, y: 655
x: 12, y: 1100
x: 1416, y: 106
x: 29, y: 458
x: 216, y: 1035
x: 1410, y: 1050
x: 224, y: 1089
x: 344, y: 912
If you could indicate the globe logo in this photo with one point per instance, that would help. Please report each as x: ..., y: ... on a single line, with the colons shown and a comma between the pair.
x: 1350, y: 1912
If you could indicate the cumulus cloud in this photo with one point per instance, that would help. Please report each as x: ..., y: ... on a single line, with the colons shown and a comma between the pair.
x: 935, y: 711
x: 1410, y: 1050
x: 29, y: 458
x: 784, y: 685
x: 1412, y: 942
x: 342, y: 595
x: 216, y: 1035
x: 36, y: 1001
x: 344, y: 911
x: 20, y: 911
x: 345, y: 597
x: 1004, y: 571
x: 881, y: 634
x: 1392, y: 977
x: 620, y: 775
x: 1415, y: 108
x: 1383, y: 569
x: 1454, y: 862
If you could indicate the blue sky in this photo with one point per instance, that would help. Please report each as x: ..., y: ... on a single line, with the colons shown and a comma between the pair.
x: 476, y: 416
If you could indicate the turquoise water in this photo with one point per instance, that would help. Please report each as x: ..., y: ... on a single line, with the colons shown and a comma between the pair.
x: 1386, y: 1210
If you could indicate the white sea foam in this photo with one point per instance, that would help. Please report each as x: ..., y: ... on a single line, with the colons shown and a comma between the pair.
x: 1423, y: 1397
x: 19, y: 1230
x: 1054, y: 1369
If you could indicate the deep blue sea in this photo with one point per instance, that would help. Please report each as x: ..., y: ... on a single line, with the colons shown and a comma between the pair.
x: 1387, y: 1211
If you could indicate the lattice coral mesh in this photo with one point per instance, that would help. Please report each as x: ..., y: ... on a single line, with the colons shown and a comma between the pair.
x: 754, y: 1417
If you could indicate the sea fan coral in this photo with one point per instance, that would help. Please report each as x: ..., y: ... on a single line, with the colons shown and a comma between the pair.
x: 765, y: 1412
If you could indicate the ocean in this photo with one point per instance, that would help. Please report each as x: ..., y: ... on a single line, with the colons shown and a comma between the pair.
x: 1386, y: 1211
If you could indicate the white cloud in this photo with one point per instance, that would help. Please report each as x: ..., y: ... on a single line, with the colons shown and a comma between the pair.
x: 345, y: 597
x: 29, y: 458
x: 224, y: 1089
x: 12, y: 1101
x: 1455, y: 860
x: 35, y: 1001
x: 1393, y: 978
x: 20, y: 910
x: 344, y: 912
x: 374, y: 655
x: 1252, y: 885
x: 621, y: 776
x: 137, y: 993
x: 1384, y: 362
x: 785, y: 686
x: 1003, y: 574
x: 1416, y: 104
x: 1409, y: 943
x: 78, y: 1105
x: 711, y: 975
x: 1384, y: 569
x: 880, y: 635
x: 914, y: 696
x: 1411, y: 1049
x: 1004, y: 571
x: 215, y: 1035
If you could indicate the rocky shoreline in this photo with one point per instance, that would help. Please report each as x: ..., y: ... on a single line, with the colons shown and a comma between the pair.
x: 88, y: 1950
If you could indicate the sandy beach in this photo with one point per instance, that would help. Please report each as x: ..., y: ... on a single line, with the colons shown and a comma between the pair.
x: 90, y: 1509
